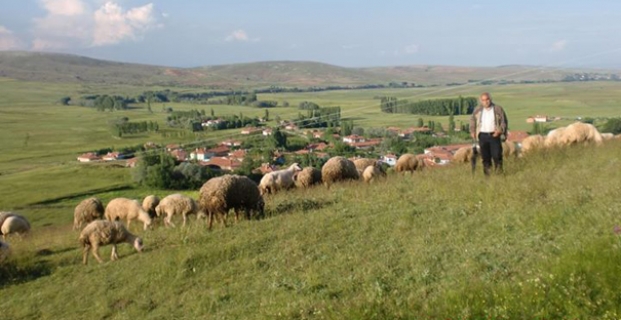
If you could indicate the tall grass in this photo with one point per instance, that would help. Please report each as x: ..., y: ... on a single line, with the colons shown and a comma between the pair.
x: 536, y: 242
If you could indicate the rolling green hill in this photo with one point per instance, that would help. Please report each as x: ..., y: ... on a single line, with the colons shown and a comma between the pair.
x: 51, y: 67
x: 538, y: 242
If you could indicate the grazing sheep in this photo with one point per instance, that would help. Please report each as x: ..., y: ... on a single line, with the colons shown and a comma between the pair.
x: 462, y: 155
x: 580, y: 132
x: 362, y: 163
x: 176, y: 204
x: 4, y: 215
x: 277, y: 180
x: 14, y: 223
x: 86, y: 211
x: 307, y: 177
x: 123, y: 208
x: 219, y: 195
x: 409, y: 162
x: 508, y: 149
x: 532, y: 143
x: 338, y: 169
x: 103, y: 232
x: 372, y: 172
x: 5, y: 251
x: 554, y: 138
x: 149, y: 203
x: 607, y: 136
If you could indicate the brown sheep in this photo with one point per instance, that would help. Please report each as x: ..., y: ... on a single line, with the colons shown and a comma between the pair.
x: 372, y: 173
x: 149, y: 203
x: 508, y: 149
x: 221, y: 194
x: 462, y: 155
x: 86, y: 211
x: 123, y: 208
x: 362, y: 163
x: 409, y: 162
x: 308, y: 177
x: 338, y: 169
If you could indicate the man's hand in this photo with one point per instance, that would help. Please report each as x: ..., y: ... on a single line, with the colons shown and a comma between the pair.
x: 497, y: 134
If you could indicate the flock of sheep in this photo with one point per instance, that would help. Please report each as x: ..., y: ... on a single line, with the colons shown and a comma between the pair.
x: 239, y: 193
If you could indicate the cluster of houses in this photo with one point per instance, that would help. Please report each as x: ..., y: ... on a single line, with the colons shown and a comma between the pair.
x: 228, y: 155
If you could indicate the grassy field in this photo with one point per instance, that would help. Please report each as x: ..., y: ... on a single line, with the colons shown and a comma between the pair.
x: 40, y: 139
x: 538, y: 242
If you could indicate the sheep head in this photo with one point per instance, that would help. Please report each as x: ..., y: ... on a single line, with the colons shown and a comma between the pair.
x: 138, y: 244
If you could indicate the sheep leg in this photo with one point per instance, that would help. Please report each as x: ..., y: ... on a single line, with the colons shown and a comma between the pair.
x: 95, y: 251
x: 114, y: 255
x: 184, y: 219
x: 210, y: 219
x: 85, y: 254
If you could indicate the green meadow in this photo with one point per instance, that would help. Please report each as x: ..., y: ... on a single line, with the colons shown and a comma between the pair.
x: 536, y: 242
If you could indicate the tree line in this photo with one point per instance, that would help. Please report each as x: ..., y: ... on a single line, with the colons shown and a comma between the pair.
x: 320, y: 118
x: 435, y: 107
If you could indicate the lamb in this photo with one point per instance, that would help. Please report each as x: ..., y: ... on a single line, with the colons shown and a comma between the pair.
x: 103, y: 232
x: 86, y: 211
x: 149, y: 203
x: 409, y: 162
x: 14, y: 223
x: 373, y: 172
x: 307, y: 177
x: 462, y: 155
x: 5, y: 251
x: 532, y: 143
x: 123, y: 208
x: 219, y: 195
x: 338, y: 169
x: 280, y: 179
x: 177, y: 204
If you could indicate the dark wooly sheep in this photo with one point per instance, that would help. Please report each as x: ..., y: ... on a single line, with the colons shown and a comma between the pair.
x: 86, y: 211
x: 221, y: 194
x: 338, y: 169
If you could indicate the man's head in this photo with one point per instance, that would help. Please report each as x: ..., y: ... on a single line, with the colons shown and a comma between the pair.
x: 485, y: 99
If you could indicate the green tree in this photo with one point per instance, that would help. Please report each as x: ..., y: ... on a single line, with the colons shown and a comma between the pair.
x: 420, y: 122
x: 612, y: 125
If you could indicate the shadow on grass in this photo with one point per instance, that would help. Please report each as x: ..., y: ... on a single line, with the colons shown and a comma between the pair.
x: 16, y: 274
x: 299, y: 205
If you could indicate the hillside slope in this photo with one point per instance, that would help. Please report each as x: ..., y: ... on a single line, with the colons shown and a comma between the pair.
x: 51, y: 67
x: 538, y: 242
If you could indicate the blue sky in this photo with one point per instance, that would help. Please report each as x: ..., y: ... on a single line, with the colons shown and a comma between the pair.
x: 349, y: 33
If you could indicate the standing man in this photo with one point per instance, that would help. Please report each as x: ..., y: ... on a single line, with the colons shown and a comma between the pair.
x: 488, y: 125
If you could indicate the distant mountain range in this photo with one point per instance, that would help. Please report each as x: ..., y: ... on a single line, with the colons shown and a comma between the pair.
x: 53, y: 67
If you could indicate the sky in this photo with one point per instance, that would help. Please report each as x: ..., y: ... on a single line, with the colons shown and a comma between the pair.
x: 192, y: 33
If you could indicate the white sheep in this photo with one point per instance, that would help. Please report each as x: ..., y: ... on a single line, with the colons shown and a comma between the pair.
x: 280, y: 179
x: 5, y: 251
x: 13, y: 223
x: 123, y: 208
x: 86, y: 211
x: 177, y: 204
x: 103, y: 232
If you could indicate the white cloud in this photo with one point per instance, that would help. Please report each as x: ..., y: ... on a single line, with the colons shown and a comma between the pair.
x: 8, y: 41
x: 71, y: 23
x: 64, y: 7
x: 240, y: 35
x: 237, y: 35
x: 411, y: 49
x: 112, y: 25
x: 558, y: 46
